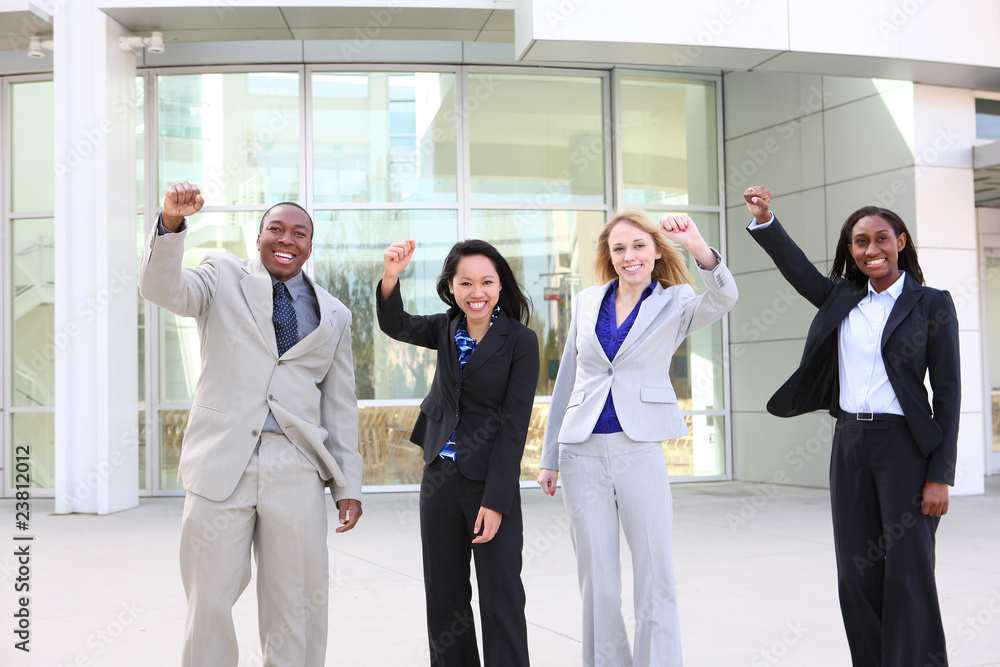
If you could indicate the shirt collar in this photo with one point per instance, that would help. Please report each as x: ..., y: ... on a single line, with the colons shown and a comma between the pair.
x: 463, y: 329
x: 613, y: 288
x: 293, y: 285
x: 894, y: 290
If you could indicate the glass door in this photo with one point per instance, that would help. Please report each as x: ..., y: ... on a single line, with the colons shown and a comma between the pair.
x: 992, y: 344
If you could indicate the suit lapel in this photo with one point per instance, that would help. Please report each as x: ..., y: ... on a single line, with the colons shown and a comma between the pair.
x: 912, y: 291
x: 487, y: 347
x: 257, y: 291
x: 323, y: 330
x: 589, y: 310
x: 650, y: 308
x: 451, y: 358
x: 840, y: 307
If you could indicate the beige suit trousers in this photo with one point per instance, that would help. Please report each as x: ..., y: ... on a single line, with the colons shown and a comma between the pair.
x: 278, y: 507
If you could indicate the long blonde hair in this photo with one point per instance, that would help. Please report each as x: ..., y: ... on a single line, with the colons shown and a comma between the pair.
x: 670, y: 269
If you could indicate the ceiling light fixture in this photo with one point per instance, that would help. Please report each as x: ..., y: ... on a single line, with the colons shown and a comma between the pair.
x: 153, y: 43
x: 36, y: 47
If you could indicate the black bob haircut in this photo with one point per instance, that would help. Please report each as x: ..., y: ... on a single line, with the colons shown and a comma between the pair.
x: 513, y: 300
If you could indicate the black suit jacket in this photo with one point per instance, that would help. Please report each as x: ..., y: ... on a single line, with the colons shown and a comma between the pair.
x: 920, y: 335
x: 488, y: 406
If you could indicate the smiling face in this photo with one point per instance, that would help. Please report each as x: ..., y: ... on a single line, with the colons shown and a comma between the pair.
x: 875, y: 248
x: 476, y: 286
x: 285, y: 241
x: 633, y: 254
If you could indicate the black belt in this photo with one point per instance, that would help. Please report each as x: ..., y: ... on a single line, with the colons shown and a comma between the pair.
x: 871, y: 416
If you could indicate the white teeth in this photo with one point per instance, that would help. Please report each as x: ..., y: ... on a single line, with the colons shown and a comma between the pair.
x: 283, y: 255
x: 633, y: 269
x: 876, y: 262
x: 476, y: 305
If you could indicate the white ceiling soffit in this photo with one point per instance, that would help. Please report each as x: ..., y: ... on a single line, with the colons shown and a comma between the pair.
x: 20, y: 20
x: 246, y: 20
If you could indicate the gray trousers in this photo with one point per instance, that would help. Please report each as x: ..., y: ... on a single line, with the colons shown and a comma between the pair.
x: 278, y: 507
x: 607, y: 481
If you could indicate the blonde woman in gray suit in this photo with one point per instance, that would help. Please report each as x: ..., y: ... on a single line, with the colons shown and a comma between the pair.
x: 612, y: 406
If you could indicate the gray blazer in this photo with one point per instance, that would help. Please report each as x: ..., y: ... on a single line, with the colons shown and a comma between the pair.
x: 639, y: 376
x: 310, y: 389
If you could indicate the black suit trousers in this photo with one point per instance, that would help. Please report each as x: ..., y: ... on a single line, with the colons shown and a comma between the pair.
x: 885, y: 546
x: 449, y: 505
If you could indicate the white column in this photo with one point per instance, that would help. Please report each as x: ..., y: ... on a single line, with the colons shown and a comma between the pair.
x: 945, y: 227
x: 96, y: 305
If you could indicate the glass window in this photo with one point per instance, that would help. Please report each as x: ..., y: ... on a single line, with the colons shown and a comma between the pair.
x: 536, y: 139
x: 238, y: 140
x: 552, y: 255
x: 669, y: 140
x: 384, y: 137
x: 347, y: 256
x: 140, y: 142
x: 36, y: 433
x: 988, y: 119
x: 180, y: 351
x: 33, y: 311
x: 32, y: 147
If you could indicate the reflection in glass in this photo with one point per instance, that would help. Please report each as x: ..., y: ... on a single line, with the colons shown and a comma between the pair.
x: 33, y: 311
x: 384, y: 137
x: 140, y: 142
x: 32, y: 147
x: 669, y: 138
x: 172, y: 425
x: 347, y: 256
x: 552, y: 254
x: 236, y: 135
x: 35, y: 431
x: 142, y: 450
x: 180, y: 352
x: 536, y: 139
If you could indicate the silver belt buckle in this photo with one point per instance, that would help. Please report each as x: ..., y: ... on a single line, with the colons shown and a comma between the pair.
x: 866, y: 417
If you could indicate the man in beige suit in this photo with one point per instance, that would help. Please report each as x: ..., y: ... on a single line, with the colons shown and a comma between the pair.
x: 274, y: 421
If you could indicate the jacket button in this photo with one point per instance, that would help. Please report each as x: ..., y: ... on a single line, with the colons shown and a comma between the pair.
x: 457, y: 413
x: 254, y: 433
x: 458, y: 387
x: 270, y: 397
x: 611, y: 372
x: 281, y: 363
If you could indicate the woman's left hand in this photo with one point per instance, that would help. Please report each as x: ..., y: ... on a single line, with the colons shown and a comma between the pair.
x: 488, y: 522
x: 935, y: 499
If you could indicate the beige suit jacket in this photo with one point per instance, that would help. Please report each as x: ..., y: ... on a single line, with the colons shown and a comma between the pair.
x: 639, y: 375
x: 310, y: 389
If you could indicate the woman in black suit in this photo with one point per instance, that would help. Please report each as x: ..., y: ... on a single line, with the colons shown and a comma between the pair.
x: 878, y: 334
x: 472, y: 428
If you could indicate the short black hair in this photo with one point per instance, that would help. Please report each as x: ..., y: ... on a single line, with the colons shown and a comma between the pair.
x: 312, y: 226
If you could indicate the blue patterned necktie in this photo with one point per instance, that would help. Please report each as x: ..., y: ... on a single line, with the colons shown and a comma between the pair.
x: 286, y: 327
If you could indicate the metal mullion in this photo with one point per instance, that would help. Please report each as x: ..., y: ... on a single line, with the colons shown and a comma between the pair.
x: 613, y: 172
x: 150, y: 207
x: 720, y: 166
x: 152, y: 310
x: 6, y: 298
x: 306, y: 154
x: 223, y: 69
x: 334, y: 68
x: 386, y: 206
x: 463, y: 168
x: 520, y: 206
